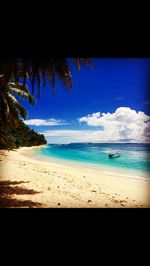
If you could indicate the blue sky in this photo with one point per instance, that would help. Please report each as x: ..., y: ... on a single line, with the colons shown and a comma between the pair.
x: 109, y: 85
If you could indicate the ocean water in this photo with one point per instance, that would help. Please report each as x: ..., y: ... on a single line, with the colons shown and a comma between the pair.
x: 133, y: 156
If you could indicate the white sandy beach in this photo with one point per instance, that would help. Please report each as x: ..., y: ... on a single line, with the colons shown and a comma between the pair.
x: 27, y: 182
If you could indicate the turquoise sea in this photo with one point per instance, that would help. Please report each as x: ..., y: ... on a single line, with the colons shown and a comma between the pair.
x: 133, y: 156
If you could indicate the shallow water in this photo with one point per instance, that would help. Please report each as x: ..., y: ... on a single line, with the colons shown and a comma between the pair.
x: 133, y: 156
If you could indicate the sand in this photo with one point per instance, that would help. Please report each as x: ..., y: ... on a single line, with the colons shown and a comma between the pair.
x: 30, y: 183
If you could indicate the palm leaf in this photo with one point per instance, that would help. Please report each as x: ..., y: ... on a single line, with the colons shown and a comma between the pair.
x: 17, y: 106
x: 40, y: 68
x: 6, y: 105
x: 18, y: 86
x: 24, y: 95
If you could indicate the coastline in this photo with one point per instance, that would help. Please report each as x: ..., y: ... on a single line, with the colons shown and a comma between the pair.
x: 30, y: 182
x: 110, y: 170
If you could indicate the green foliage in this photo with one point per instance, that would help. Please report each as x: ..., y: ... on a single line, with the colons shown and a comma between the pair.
x: 22, y: 136
x: 39, y: 70
x: 10, y: 107
x: 36, y: 71
x: 9, y: 102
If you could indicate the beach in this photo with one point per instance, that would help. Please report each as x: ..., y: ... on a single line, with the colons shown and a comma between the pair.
x: 28, y: 182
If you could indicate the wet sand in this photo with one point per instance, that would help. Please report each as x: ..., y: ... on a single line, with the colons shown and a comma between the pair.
x: 30, y: 183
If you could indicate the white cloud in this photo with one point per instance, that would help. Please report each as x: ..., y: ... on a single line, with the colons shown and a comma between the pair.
x: 43, y: 122
x: 123, y: 125
x: 67, y: 136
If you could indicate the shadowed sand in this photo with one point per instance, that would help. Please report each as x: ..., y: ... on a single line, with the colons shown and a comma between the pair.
x: 30, y: 183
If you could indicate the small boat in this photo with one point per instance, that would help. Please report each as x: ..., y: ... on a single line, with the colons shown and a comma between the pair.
x: 114, y: 154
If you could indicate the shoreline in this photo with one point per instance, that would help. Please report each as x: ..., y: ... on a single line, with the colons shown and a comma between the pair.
x: 110, y: 170
x: 55, y: 185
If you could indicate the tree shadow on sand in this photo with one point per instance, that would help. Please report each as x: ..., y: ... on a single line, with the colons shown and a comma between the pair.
x: 8, y: 188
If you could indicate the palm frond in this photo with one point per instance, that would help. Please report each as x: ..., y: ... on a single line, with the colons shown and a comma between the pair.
x: 76, y: 62
x: 19, y: 86
x: 16, y: 105
x: 23, y: 95
x: 6, y: 105
x: 16, y: 70
x: 36, y: 69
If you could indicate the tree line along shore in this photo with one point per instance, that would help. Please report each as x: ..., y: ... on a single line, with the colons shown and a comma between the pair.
x: 22, y: 136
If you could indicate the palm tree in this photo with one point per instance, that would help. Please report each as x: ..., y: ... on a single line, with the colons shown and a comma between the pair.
x: 40, y: 69
x: 16, y: 70
x: 10, y: 108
